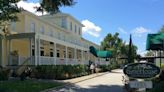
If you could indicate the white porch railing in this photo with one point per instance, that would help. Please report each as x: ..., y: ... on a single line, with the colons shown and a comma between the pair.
x: 102, y: 62
x: 44, y: 60
x: 60, y: 61
x: 47, y: 60
x: 19, y: 60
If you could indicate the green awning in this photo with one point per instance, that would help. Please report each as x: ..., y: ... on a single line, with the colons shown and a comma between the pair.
x: 155, y: 41
x: 93, y: 50
x: 104, y: 54
x: 100, y: 53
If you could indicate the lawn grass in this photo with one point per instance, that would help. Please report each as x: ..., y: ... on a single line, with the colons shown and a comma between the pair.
x: 26, y: 86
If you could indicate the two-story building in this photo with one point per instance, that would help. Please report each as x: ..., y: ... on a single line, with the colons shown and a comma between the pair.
x: 45, y: 40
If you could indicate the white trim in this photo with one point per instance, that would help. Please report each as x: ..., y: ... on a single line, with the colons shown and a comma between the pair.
x: 75, y: 53
x: 35, y: 50
x: 10, y: 49
x: 2, y: 58
x: 64, y: 43
x: 38, y: 54
x: 6, y: 41
x: 30, y: 49
x: 66, y: 52
x: 55, y: 51
x: 82, y: 57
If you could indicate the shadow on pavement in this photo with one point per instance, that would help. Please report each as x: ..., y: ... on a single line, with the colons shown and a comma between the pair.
x: 114, y: 72
x: 98, y: 88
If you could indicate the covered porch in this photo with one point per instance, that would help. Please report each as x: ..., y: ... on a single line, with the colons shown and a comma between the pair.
x: 33, y: 49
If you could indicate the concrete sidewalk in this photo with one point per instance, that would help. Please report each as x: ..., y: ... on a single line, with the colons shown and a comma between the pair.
x: 74, y: 80
x: 83, y: 78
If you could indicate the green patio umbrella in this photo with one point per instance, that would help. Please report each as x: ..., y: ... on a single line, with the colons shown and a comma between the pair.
x: 155, y: 42
x: 104, y: 54
x: 100, y: 53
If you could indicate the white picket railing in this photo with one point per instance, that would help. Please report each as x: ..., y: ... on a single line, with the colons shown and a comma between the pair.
x: 44, y: 60
x: 19, y: 60
x: 47, y: 60
x: 60, y: 61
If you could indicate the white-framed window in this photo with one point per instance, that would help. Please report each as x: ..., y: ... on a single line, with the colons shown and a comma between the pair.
x: 59, y: 35
x: 71, y: 26
x: 75, y: 28
x: 13, y: 26
x: 63, y: 23
x: 79, y: 31
x: 51, y: 32
x: 64, y: 38
x: 32, y: 27
x: 42, y: 29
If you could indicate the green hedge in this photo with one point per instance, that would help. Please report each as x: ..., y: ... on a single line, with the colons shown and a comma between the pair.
x: 63, y: 71
x: 158, y: 87
x: 59, y: 71
x: 4, y: 74
x: 105, y: 68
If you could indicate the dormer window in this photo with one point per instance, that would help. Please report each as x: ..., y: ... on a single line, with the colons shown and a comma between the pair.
x: 42, y: 29
x: 79, y: 31
x: 71, y: 26
x: 64, y: 23
x: 32, y: 27
x: 75, y: 28
x: 51, y: 32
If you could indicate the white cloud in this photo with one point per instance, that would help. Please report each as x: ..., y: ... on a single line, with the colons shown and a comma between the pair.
x: 29, y: 7
x: 140, y: 30
x: 91, y: 28
x: 142, y: 53
x: 122, y: 30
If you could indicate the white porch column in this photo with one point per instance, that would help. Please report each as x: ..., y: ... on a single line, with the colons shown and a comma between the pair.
x: 35, y: 50
x: 88, y: 55
x: 66, y: 58
x: 1, y: 51
x: 82, y: 57
x: 38, y: 51
x: 9, y: 54
x: 54, y: 53
x: 30, y: 48
x: 7, y: 61
x: 75, y: 54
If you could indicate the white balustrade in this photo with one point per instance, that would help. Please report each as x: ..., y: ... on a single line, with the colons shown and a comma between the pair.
x: 47, y: 60
x: 44, y: 60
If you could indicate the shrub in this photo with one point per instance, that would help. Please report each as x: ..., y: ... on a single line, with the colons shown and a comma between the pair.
x: 59, y: 71
x: 161, y: 76
x: 158, y: 87
x: 104, y: 68
x: 4, y: 73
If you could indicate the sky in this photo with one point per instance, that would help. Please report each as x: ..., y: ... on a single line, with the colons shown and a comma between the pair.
x: 100, y: 17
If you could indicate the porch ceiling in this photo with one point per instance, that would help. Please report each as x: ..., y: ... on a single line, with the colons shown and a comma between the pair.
x: 21, y: 36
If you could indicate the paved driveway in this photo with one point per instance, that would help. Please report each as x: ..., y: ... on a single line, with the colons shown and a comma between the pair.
x: 109, y: 82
